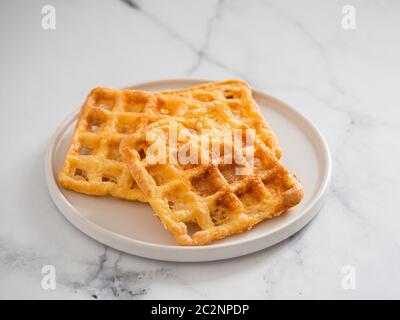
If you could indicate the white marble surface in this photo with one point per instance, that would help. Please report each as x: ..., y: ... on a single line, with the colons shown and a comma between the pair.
x: 346, y: 81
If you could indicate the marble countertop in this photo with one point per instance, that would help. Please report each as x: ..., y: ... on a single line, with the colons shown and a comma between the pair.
x: 345, y: 80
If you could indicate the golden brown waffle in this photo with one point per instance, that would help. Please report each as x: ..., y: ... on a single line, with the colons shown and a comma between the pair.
x: 237, y: 96
x: 212, y: 198
x: 93, y: 164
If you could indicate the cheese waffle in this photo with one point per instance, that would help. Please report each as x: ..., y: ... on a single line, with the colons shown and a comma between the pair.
x: 237, y: 95
x: 93, y: 164
x: 201, y: 203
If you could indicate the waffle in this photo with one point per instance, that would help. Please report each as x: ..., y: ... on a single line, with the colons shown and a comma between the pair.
x: 201, y: 203
x: 93, y: 164
x: 237, y: 96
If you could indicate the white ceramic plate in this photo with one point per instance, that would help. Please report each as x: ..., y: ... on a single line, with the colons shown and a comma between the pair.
x: 132, y: 227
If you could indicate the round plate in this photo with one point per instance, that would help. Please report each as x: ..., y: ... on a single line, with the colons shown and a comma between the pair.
x: 132, y: 227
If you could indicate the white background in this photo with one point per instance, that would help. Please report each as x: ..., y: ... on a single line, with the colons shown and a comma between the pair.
x: 345, y: 81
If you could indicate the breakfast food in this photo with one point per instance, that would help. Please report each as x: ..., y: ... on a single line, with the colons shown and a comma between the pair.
x: 210, y: 196
x: 201, y: 198
x: 237, y: 96
x: 93, y: 164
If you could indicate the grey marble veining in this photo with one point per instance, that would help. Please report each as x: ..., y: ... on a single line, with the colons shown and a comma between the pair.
x: 346, y: 81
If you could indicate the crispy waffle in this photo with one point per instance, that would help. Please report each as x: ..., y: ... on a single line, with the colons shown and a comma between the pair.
x: 201, y: 203
x: 93, y: 164
x: 237, y: 96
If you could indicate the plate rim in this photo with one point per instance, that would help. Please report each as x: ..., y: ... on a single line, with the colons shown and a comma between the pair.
x: 103, y: 235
